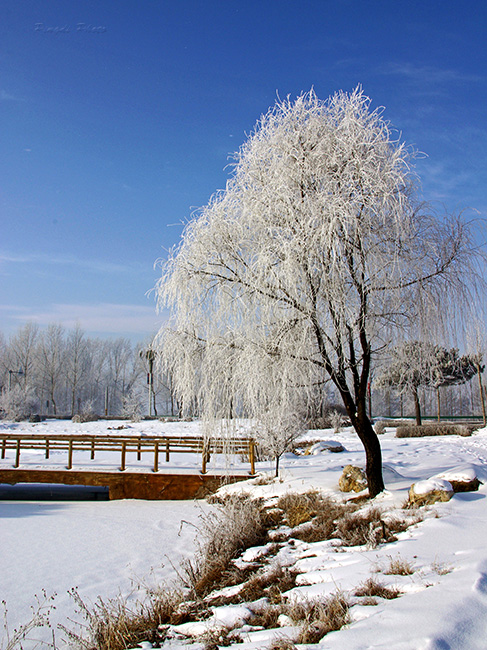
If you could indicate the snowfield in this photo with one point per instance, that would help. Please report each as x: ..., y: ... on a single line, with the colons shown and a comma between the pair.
x: 105, y: 547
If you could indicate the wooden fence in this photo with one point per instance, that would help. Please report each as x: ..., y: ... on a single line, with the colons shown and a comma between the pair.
x: 157, y: 446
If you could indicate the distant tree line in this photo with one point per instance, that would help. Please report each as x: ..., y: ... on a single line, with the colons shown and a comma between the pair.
x: 56, y: 371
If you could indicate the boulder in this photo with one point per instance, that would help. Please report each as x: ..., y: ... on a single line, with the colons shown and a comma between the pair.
x: 324, y: 445
x: 353, y: 479
x: 430, y: 491
x: 462, y: 479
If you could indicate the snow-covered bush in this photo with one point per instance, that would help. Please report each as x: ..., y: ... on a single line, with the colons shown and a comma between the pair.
x: 337, y: 420
x: 132, y: 406
x: 87, y: 413
x: 18, y: 403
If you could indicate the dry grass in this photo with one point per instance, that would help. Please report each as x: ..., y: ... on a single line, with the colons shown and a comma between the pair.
x: 372, y: 588
x: 441, y: 568
x: 320, y: 618
x: 23, y: 635
x: 369, y: 601
x: 226, y: 532
x: 282, y: 644
x: 116, y: 624
x: 320, y: 512
x: 316, y: 617
x: 398, y: 566
x: 364, y: 528
x: 269, y: 584
x: 235, y: 525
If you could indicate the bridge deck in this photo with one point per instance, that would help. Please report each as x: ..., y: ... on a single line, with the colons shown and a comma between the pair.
x: 127, y: 485
x: 128, y: 479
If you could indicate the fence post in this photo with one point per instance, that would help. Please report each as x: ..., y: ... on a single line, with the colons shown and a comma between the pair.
x: 47, y: 447
x: 139, y: 448
x: 92, y: 450
x: 156, y: 457
x: 70, y: 455
x: 167, y: 451
x: 252, y: 456
x: 17, y: 455
x: 4, y: 447
x: 124, y: 451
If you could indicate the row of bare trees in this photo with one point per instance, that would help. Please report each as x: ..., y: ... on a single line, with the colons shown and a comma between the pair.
x: 58, y: 371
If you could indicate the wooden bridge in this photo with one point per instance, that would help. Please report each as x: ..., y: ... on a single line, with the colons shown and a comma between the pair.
x: 130, y: 479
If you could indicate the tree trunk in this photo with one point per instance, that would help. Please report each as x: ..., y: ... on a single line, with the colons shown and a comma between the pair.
x: 417, y: 407
x: 368, y: 437
x: 154, y: 402
x: 438, y: 403
x: 373, y: 454
x: 481, y: 392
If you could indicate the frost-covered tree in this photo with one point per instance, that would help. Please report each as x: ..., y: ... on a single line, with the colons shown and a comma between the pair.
x: 50, y: 355
x: 416, y: 364
x: 77, y: 364
x: 315, y: 252
x: 21, y: 352
x: 18, y: 403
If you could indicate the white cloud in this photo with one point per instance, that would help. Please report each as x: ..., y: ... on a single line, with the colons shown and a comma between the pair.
x: 66, y: 260
x: 99, y: 318
x: 427, y: 74
x: 8, y: 97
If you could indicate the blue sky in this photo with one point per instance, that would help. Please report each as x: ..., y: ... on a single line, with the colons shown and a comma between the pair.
x: 117, y: 119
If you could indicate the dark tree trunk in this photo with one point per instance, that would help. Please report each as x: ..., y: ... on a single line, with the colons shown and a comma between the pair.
x: 417, y: 407
x: 373, y: 453
x: 368, y: 437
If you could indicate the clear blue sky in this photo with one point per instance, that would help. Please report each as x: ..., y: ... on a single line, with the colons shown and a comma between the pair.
x: 117, y: 119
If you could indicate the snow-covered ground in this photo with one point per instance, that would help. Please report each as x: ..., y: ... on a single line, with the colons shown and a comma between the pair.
x: 101, y: 546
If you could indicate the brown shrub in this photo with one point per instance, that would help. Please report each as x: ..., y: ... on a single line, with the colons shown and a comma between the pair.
x: 418, y: 431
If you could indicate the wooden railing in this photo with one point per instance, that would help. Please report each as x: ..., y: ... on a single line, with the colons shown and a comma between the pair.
x: 157, y: 446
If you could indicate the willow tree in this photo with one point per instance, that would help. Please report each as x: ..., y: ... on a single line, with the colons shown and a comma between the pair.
x: 300, y: 269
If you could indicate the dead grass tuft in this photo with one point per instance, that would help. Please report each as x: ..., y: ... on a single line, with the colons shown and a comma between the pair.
x: 226, y: 532
x: 318, y: 511
x: 398, y: 566
x: 320, y: 618
x: 364, y: 528
x: 372, y: 588
x: 282, y: 644
x: 24, y: 635
x: 116, y: 625
x: 441, y: 568
x: 270, y: 584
